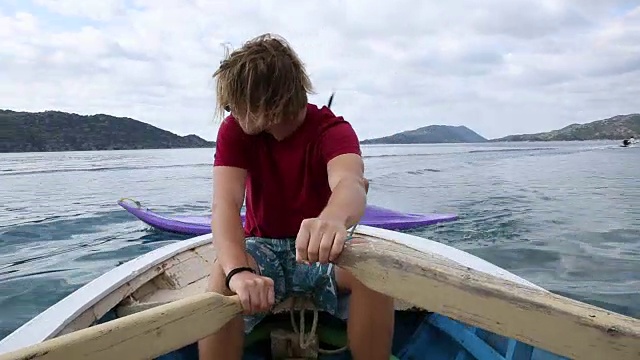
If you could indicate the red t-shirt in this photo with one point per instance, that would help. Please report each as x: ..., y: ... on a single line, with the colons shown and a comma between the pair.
x: 287, y: 180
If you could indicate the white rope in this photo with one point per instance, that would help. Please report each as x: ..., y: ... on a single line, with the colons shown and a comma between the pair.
x: 304, y: 343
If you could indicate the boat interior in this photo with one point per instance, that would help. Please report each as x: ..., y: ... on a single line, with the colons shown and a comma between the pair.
x: 295, y: 330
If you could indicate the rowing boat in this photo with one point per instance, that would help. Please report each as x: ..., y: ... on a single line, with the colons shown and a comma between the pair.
x: 449, y: 305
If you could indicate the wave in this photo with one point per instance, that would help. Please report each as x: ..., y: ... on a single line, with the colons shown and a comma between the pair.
x: 513, y: 150
x: 14, y: 172
x: 9, y: 267
x: 11, y: 172
x: 477, y: 151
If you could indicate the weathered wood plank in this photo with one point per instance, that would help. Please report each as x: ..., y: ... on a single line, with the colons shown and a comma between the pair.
x: 536, y: 317
x: 140, y: 336
x: 112, y: 298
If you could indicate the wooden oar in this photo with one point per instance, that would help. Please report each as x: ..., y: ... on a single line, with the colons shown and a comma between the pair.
x: 560, y: 325
x: 540, y: 318
x: 140, y: 336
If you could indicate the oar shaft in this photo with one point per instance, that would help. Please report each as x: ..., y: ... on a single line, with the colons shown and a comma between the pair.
x: 142, y: 335
x: 536, y: 317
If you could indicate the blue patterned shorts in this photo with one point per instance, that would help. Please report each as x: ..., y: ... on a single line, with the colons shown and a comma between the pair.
x: 276, y: 259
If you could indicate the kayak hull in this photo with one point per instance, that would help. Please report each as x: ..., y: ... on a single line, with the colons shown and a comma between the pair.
x: 374, y: 216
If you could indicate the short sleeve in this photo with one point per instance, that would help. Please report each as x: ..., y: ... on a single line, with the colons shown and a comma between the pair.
x: 231, y: 145
x: 339, y: 139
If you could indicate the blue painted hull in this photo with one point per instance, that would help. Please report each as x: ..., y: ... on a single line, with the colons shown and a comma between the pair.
x: 417, y: 336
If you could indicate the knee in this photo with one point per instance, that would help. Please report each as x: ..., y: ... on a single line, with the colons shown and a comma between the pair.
x: 347, y: 282
x: 217, y: 279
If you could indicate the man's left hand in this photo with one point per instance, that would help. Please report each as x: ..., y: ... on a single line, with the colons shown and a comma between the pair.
x: 320, y: 240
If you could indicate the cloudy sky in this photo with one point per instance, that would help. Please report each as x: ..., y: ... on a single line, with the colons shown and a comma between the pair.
x: 509, y: 66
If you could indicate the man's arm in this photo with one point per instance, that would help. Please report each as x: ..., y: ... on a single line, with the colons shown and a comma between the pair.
x: 226, y: 223
x: 348, y: 190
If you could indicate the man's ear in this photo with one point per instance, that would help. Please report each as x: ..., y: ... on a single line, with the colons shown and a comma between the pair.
x: 366, y: 185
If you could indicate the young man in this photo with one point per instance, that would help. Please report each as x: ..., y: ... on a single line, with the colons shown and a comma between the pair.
x: 301, y: 168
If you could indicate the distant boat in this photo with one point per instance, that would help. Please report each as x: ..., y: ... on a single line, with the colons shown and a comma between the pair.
x: 628, y: 142
x: 156, y: 307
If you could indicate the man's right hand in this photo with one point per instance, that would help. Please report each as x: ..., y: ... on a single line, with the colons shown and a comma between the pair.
x: 256, y: 292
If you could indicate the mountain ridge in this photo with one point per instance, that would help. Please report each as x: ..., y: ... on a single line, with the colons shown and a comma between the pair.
x: 53, y: 130
x: 617, y: 127
x: 431, y: 134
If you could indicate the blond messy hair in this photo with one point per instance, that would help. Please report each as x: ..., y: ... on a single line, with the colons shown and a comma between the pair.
x: 264, y: 80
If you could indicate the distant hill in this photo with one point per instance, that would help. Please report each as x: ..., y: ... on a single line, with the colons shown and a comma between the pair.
x: 615, y: 128
x: 61, y: 131
x: 431, y: 135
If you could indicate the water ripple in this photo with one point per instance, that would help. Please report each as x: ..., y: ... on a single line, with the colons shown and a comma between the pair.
x: 563, y: 215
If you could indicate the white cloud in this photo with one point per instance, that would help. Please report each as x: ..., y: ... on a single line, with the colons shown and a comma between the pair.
x: 510, y: 66
x: 103, y: 10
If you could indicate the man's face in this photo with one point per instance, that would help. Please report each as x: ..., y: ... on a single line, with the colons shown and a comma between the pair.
x: 251, y: 124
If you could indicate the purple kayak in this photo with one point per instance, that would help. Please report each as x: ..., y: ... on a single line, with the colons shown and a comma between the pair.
x: 375, y: 216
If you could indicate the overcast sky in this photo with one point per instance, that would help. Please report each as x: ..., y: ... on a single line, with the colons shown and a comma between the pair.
x: 510, y: 66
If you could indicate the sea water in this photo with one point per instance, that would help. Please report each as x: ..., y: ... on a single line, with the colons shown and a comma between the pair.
x: 564, y: 215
